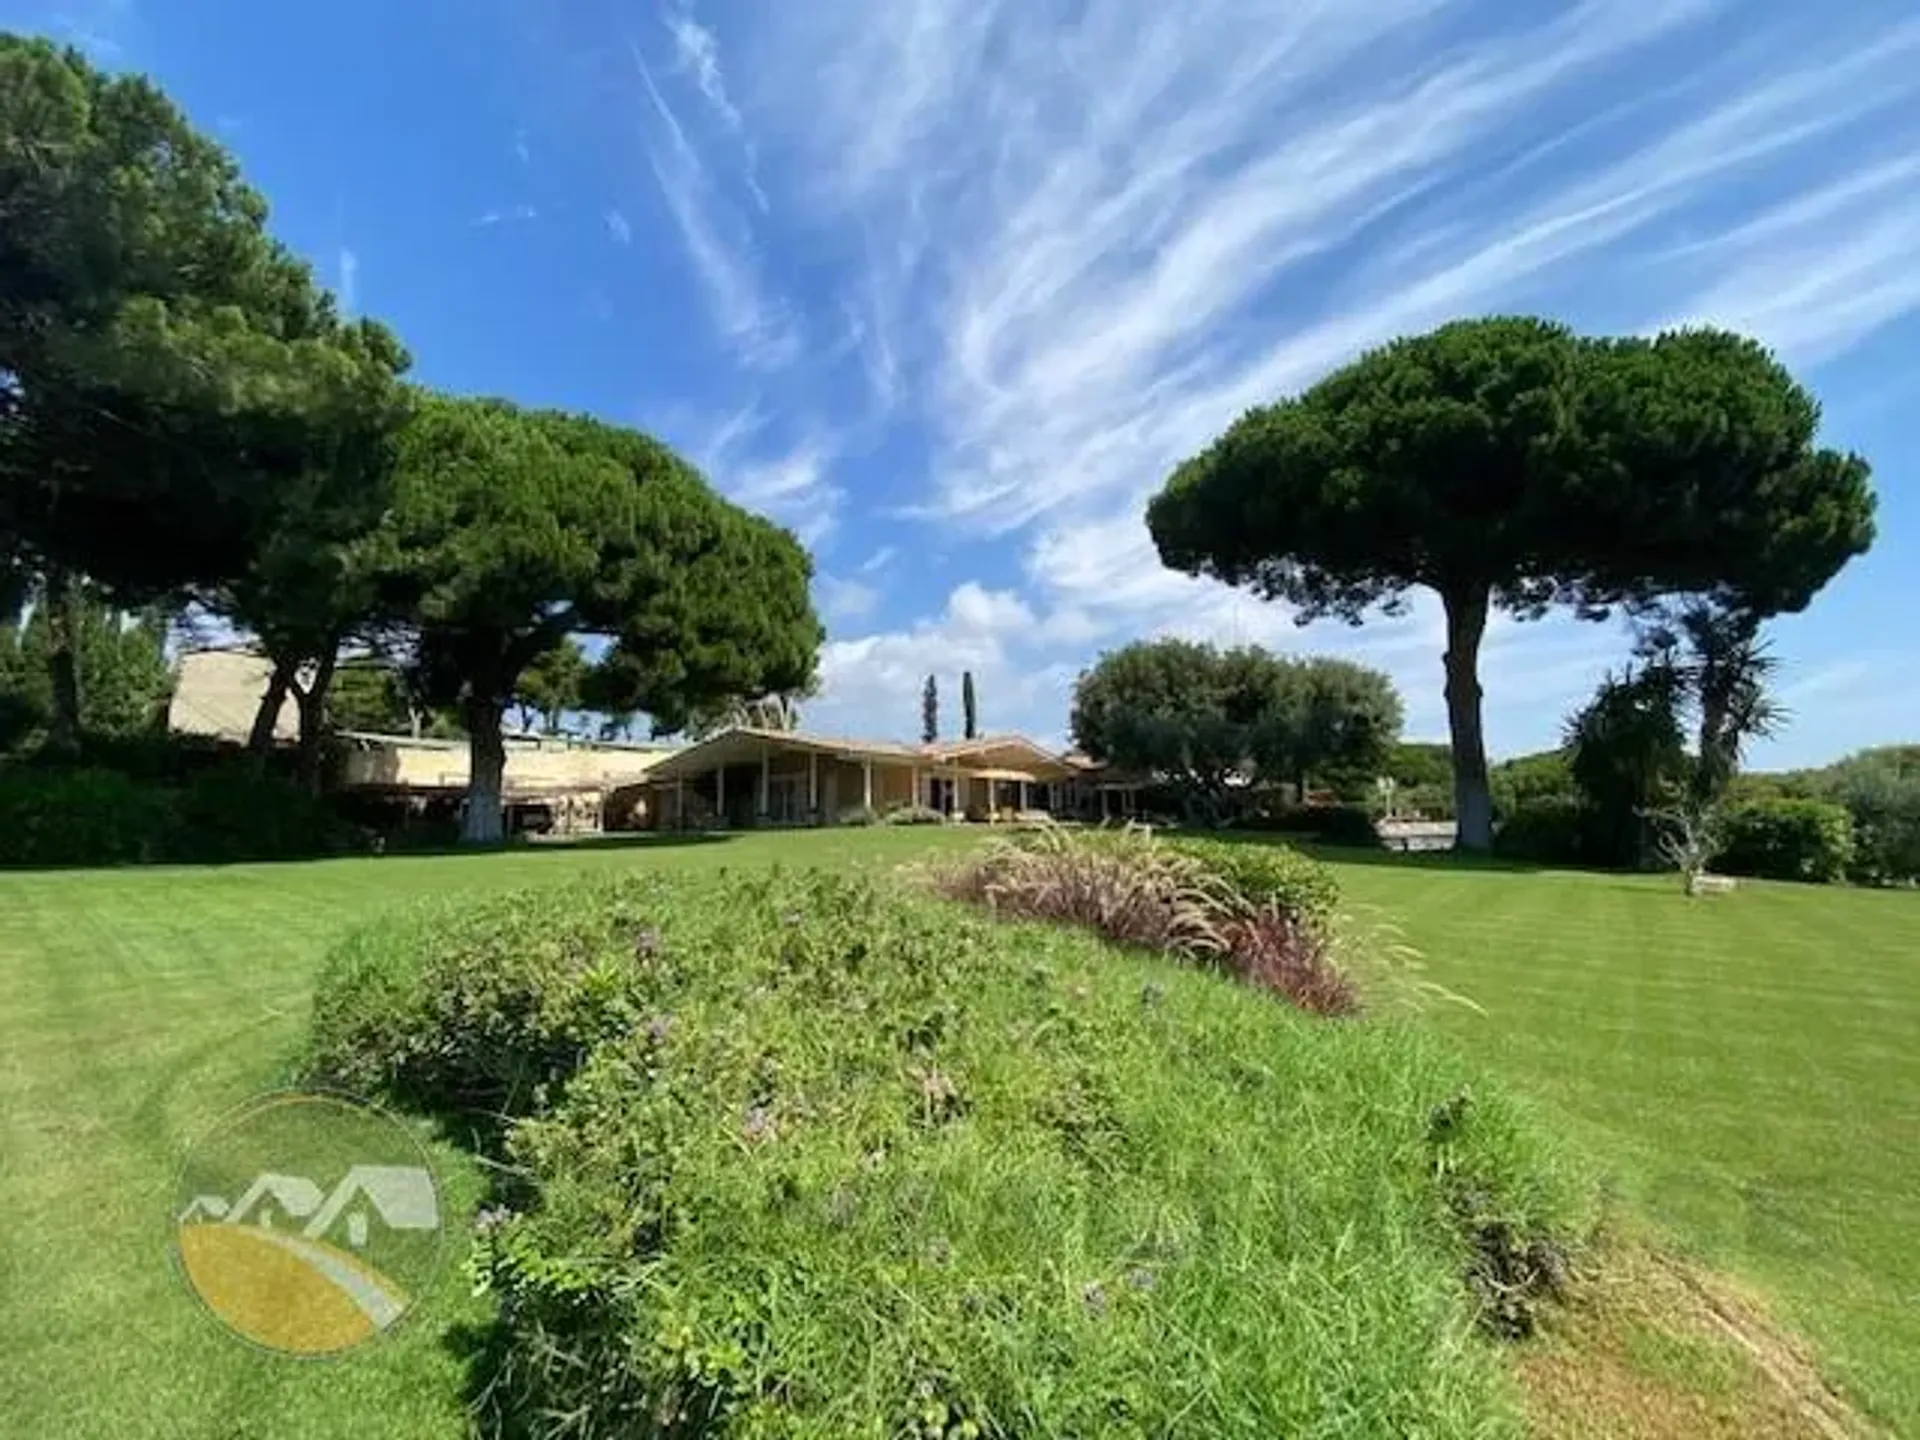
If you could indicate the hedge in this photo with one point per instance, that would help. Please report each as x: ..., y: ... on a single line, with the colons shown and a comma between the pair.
x: 1808, y: 840
x: 89, y: 816
x: 1548, y: 830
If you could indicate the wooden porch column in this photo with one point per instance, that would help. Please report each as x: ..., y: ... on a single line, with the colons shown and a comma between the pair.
x: 1023, y: 794
x: 866, y: 784
x: 765, y: 783
x: 720, y: 793
x: 679, y: 803
x: 916, y: 786
x: 813, y: 787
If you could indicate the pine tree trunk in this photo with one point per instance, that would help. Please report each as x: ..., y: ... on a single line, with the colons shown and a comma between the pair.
x: 267, y: 717
x: 1472, y: 798
x: 312, y: 700
x: 63, y: 661
x: 484, y: 823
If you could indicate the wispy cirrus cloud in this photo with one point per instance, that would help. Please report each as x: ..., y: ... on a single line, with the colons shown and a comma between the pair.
x: 514, y: 215
x: 759, y: 466
x: 347, y: 281
x: 845, y: 600
x: 761, y: 329
x: 1062, y: 243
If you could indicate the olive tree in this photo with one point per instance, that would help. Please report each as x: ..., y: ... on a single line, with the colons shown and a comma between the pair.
x: 1204, y: 719
x: 1508, y: 463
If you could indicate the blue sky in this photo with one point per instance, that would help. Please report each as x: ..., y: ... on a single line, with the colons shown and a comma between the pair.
x: 949, y: 285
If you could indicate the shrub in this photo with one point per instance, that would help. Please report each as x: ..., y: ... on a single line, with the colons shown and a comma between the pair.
x: 1543, y: 775
x: 913, y: 815
x: 485, y: 1010
x: 81, y: 817
x: 1273, y: 948
x: 877, y: 1168
x: 1430, y: 802
x: 1787, y: 840
x: 1883, y: 797
x: 87, y: 815
x: 228, y: 814
x: 1547, y: 830
x: 1329, y: 824
x: 1266, y: 874
x: 1123, y: 884
x: 1181, y: 899
x: 859, y: 815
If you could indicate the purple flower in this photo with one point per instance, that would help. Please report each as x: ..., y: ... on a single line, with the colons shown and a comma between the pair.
x: 1141, y: 1279
x: 658, y: 1029
x: 646, y: 944
x: 1094, y: 1295
x: 759, y: 1124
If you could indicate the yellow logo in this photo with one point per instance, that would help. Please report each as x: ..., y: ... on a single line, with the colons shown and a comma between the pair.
x: 307, y: 1223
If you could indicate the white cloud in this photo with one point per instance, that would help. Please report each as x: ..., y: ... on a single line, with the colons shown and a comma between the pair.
x: 619, y: 228
x: 698, y: 52
x: 870, y: 685
x: 848, y: 600
x: 520, y: 214
x: 878, y: 560
x: 1818, y: 273
x: 761, y: 330
x: 108, y: 30
x: 349, y: 282
x: 974, y: 610
x: 794, y: 485
x: 1057, y: 245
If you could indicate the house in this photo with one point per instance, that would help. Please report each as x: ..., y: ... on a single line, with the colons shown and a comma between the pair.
x: 217, y: 695
x: 745, y: 776
x: 551, y: 782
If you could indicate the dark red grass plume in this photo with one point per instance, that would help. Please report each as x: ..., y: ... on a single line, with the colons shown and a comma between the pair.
x: 1136, y: 892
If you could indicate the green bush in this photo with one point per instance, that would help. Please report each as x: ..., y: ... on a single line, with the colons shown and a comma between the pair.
x: 1544, y: 775
x: 1786, y: 840
x: 1329, y: 824
x: 1548, y: 830
x: 81, y: 817
x: 1431, y: 802
x: 913, y: 815
x: 859, y: 815
x: 1135, y: 889
x: 87, y: 815
x: 863, y: 1164
x: 1881, y: 790
x: 227, y: 814
x: 485, y: 1010
x: 1268, y: 874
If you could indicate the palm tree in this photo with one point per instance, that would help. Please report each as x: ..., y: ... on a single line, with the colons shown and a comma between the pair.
x: 1725, y: 669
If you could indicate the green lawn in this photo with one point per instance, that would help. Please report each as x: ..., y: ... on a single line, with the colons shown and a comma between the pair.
x: 136, y: 1007
x: 1749, y: 1064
